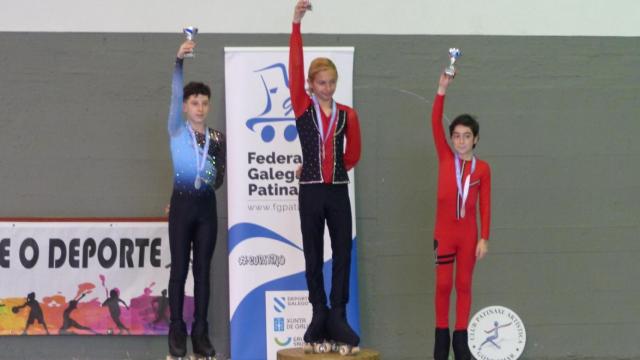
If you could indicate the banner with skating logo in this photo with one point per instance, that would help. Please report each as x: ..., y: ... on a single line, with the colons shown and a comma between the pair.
x: 86, y: 278
x: 496, y: 333
x: 268, y: 302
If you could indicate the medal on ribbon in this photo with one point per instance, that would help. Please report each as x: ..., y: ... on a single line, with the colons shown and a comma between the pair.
x: 200, y: 160
x: 334, y: 115
x: 463, y: 189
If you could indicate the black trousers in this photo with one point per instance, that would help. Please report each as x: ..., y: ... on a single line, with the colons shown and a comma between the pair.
x: 319, y: 203
x: 193, y: 223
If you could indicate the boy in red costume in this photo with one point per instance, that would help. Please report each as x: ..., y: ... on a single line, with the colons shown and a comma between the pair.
x: 462, y: 179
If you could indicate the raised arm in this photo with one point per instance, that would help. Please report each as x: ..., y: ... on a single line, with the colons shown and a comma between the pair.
x: 439, y: 134
x: 300, y: 100
x: 175, y: 109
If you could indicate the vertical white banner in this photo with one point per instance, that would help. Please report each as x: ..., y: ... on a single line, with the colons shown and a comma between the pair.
x: 268, y: 306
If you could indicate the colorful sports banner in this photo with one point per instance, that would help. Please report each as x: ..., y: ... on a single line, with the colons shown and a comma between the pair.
x: 86, y: 278
x: 268, y: 301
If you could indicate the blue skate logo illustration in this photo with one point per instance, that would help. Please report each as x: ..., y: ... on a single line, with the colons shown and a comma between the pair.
x: 279, y: 304
x: 278, y: 108
x: 493, y: 338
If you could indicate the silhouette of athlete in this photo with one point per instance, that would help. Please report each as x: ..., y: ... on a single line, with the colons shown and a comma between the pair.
x: 35, y: 312
x: 113, y: 303
x: 161, y: 304
x: 68, y: 322
x: 491, y: 338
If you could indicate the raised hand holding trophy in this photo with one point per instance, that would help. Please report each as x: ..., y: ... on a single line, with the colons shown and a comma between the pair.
x: 190, y: 33
x: 454, y: 54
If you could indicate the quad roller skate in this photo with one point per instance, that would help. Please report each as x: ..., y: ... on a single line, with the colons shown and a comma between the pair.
x: 315, y: 337
x: 460, y: 345
x: 202, y: 347
x: 177, y: 341
x: 441, y: 345
x: 343, y: 339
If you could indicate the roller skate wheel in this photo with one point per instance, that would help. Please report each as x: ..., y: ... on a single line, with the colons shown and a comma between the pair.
x: 320, y: 348
x: 308, y: 348
x: 345, y: 350
x: 334, y: 347
x: 171, y: 357
x: 201, y: 357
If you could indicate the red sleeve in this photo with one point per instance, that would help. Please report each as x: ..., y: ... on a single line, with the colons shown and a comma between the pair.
x: 439, y: 137
x: 485, y: 204
x: 299, y: 98
x: 352, y: 152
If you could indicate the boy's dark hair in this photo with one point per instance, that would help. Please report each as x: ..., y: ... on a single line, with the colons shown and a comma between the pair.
x: 195, y: 88
x: 467, y: 121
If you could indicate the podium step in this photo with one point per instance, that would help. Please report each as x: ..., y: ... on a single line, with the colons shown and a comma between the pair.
x: 298, y: 354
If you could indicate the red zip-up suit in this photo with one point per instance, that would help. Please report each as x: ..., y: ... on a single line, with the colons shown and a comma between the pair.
x: 455, y: 238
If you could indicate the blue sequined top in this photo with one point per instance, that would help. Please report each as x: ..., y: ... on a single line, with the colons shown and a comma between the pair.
x: 181, y: 143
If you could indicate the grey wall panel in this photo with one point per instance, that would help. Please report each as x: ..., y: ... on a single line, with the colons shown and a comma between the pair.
x: 82, y: 133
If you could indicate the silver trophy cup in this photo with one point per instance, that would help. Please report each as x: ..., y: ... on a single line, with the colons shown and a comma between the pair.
x: 190, y: 33
x: 454, y: 54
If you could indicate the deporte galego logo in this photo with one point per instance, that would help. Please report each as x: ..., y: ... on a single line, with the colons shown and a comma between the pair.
x: 496, y: 333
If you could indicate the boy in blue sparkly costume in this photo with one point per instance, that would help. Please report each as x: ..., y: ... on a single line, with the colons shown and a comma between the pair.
x: 198, y: 154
